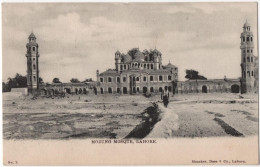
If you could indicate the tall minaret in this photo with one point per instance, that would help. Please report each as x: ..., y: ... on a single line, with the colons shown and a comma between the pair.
x: 32, y: 65
x: 247, y: 59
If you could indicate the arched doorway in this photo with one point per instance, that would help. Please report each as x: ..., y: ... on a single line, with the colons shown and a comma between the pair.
x: 204, y: 89
x: 118, y: 90
x: 235, y: 88
x: 84, y: 91
x: 56, y: 92
x: 169, y: 88
x: 43, y: 92
x: 144, y: 89
x: 67, y: 90
x: 110, y: 90
x: 52, y: 92
x: 125, y: 90
x: 80, y: 91
x: 76, y: 91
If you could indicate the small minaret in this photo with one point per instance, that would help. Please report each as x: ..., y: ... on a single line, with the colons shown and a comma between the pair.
x: 32, y: 65
x: 247, y: 60
x: 117, y: 60
x: 97, y: 75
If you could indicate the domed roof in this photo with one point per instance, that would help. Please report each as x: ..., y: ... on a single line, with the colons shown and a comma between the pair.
x: 246, y: 24
x: 126, y: 58
x: 157, y: 52
x: 139, y: 56
x: 117, y: 52
x: 32, y: 35
x: 170, y: 66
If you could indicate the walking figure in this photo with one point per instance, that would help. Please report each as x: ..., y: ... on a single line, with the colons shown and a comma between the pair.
x: 165, y: 97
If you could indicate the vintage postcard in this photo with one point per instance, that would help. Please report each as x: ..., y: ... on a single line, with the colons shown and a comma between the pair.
x: 130, y: 83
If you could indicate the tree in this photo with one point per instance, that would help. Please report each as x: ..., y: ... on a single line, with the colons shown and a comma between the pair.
x: 56, y: 80
x: 74, y: 80
x: 88, y: 80
x: 18, y: 81
x: 194, y: 75
x: 5, y: 87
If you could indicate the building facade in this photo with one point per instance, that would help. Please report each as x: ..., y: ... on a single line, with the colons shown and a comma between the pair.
x: 140, y: 72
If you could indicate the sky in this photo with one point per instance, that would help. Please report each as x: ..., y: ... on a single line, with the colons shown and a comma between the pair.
x: 76, y: 39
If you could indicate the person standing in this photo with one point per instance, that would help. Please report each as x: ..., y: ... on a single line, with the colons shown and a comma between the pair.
x: 165, y: 97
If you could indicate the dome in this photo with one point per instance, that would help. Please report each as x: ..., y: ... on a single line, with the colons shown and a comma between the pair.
x: 170, y: 66
x: 32, y: 35
x: 117, y: 52
x: 139, y: 56
x: 126, y: 58
x: 246, y: 24
x: 155, y: 51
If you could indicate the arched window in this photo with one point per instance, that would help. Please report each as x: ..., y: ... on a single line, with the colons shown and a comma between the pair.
x: 160, y: 89
x: 247, y: 39
x: 251, y: 38
x: 124, y: 66
x: 151, y: 89
x: 169, y: 77
x: 34, y: 66
x: 244, y: 59
x: 118, y: 79
x: 252, y: 73
x: 110, y: 90
x: 124, y: 79
x: 144, y: 79
x: 144, y: 65
x: 148, y: 66
x: 118, y: 90
x: 33, y: 48
x: 248, y: 72
x: 34, y: 78
x: 137, y: 78
x: 151, y: 66
x: 243, y: 39
x: 160, y: 78
x: 121, y: 67
x: 151, y: 78
x: 101, y: 90
x: 251, y: 59
x: 101, y: 79
x: 248, y: 59
x: 109, y: 79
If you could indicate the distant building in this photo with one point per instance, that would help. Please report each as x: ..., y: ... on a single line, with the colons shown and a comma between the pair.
x: 141, y: 72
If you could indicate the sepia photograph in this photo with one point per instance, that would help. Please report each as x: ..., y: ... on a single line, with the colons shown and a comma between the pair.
x: 122, y: 83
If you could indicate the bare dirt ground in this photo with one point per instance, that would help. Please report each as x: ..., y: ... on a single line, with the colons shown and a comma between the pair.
x: 211, y: 115
x: 197, y: 115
